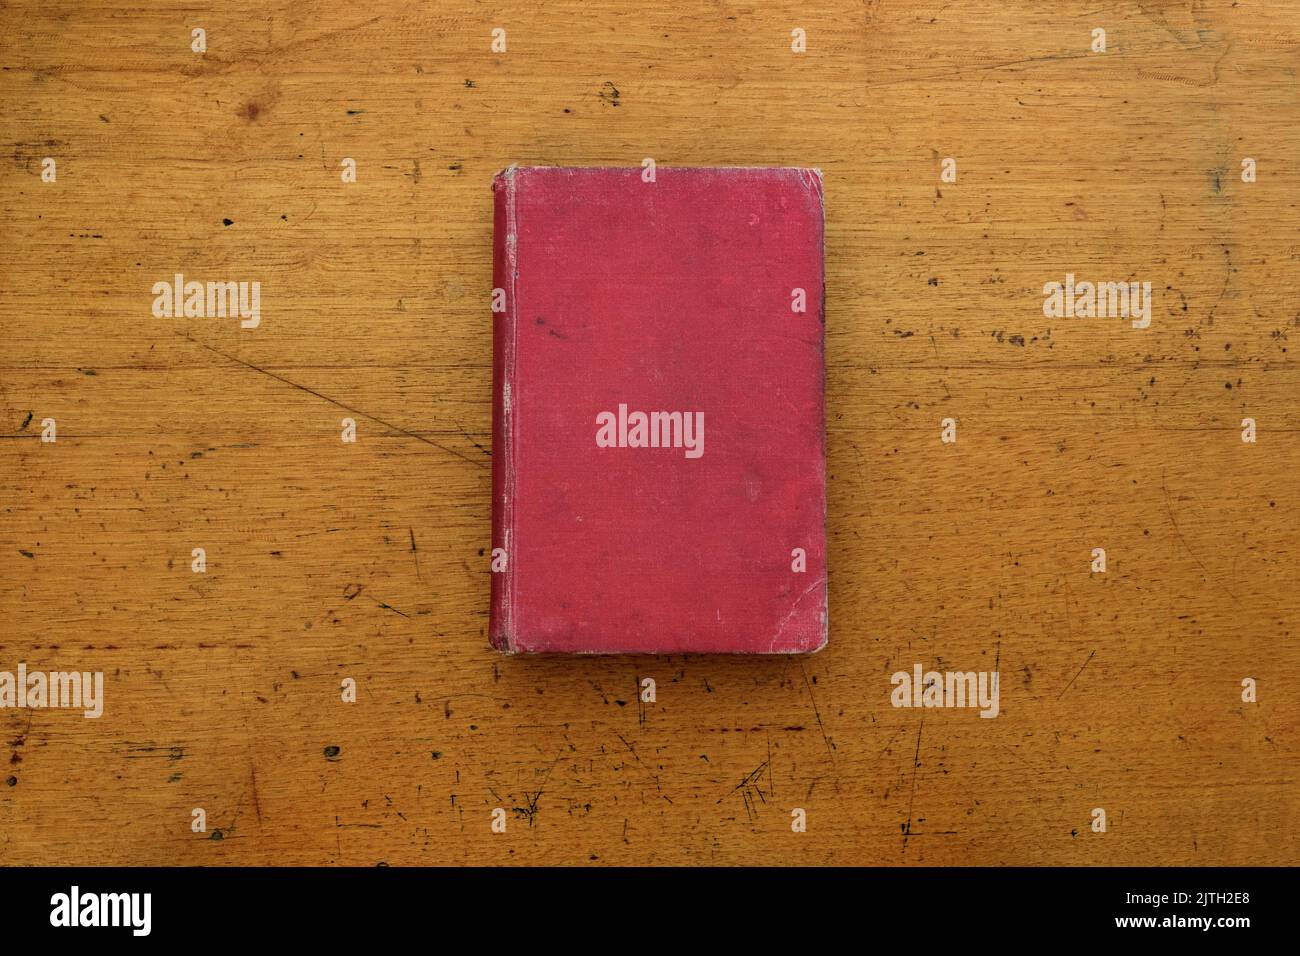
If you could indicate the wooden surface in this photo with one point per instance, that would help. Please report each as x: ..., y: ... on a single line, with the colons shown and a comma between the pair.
x: 329, y: 560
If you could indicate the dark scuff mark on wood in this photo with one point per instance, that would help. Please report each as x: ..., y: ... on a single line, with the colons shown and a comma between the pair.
x: 609, y: 94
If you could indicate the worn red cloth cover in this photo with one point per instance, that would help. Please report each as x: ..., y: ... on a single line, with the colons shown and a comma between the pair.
x: 659, y: 464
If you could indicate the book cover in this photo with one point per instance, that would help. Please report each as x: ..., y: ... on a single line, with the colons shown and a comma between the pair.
x: 659, y: 464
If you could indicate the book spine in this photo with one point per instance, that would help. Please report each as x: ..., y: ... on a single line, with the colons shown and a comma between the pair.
x: 504, y: 276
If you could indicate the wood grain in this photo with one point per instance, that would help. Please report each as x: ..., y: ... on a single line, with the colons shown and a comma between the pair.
x: 328, y: 560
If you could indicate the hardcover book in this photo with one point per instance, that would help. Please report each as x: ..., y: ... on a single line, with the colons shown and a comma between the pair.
x: 658, y: 453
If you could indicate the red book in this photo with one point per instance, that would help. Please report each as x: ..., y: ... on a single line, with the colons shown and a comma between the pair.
x: 659, y: 456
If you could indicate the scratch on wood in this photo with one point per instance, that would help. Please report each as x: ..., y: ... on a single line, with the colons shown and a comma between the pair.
x: 916, y: 762
x: 817, y: 713
x: 333, y: 401
x: 1076, y: 676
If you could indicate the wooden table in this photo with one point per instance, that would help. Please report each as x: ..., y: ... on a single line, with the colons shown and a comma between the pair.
x: 328, y: 560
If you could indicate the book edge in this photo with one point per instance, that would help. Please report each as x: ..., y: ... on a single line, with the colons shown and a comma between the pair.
x: 505, y: 339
